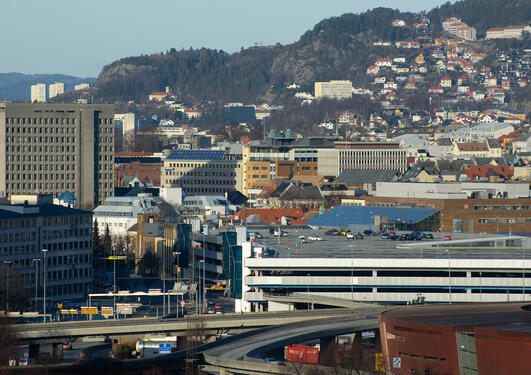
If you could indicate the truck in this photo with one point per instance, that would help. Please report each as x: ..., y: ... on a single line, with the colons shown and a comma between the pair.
x: 301, y: 354
x: 154, y: 346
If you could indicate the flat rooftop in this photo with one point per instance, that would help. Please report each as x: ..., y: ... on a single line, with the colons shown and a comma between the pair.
x: 376, y: 247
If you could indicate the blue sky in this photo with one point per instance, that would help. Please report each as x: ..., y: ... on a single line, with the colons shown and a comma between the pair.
x: 80, y: 37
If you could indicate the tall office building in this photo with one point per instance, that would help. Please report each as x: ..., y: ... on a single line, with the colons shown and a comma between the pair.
x: 51, y: 148
x: 38, y: 93
x: 55, y: 89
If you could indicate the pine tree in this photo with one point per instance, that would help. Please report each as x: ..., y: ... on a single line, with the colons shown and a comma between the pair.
x: 107, y: 242
x: 96, y: 241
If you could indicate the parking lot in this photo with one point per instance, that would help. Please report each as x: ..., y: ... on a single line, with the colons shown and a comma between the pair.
x: 371, y: 246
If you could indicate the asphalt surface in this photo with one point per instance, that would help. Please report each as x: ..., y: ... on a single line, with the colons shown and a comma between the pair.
x: 282, y: 335
x: 375, y: 247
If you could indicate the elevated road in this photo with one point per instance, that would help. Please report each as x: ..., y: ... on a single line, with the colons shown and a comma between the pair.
x: 243, y: 356
x: 41, y: 332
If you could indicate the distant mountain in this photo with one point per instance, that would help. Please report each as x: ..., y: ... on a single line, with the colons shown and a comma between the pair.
x: 336, y: 48
x: 16, y: 86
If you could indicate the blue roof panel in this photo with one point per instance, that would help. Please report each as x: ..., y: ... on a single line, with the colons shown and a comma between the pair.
x: 196, y: 155
x: 342, y: 216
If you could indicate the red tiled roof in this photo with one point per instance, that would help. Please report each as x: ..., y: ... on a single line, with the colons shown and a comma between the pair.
x: 473, y: 146
x: 477, y: 171
x: 274, y: 215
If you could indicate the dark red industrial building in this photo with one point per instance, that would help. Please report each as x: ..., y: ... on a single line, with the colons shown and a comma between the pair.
x: 471, y: 339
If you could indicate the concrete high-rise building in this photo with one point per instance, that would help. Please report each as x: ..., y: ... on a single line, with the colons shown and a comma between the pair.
x: 38, y: 93
x: 81, y: 86
x: 333, y: 90
x: 55, y: 89
x: 126, y: 120
x: 51, y: 148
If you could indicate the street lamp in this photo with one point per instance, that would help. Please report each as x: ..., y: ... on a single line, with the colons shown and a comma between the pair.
x: 7, y: 263
x: 202, y: 286
x: 163, y: 277
x: 36, y: 261
x: 351, y: 275
x: 523, y: 272
x: 44, y: 251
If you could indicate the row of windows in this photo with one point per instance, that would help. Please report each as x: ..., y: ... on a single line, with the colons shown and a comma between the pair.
x: 41, y: 121
x: 257, y: 168
x: 43, y: 158
x: 41, y: 139
x: 18, y: 223
x: 260, y: 176
x: 206, y: 190
x: 44, y: 188
x: 61, y: 290
x: 202, y: 165
x: 507, y: 207
x: 66, y: 233
x: 201, y: 182
x: 504, y: 220
x: 40, y: 176
x: 202, y: 173
x: 41, y: 148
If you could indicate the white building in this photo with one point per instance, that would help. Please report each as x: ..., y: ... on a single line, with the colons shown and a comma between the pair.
x: 121, y: 213
x: 333, y: 89
x: 55, y: 89
x: 480, y: 132
x: 507, y: 32
x: 127, y: 120
x: 451, y: 190
x: 81, y: 86
x: 38, y: 93
x: 209, y: 205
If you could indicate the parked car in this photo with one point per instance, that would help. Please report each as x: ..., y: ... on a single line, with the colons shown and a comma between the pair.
x: 218, y: 306
x: 284, y: 233
x: 429, y: 236
x: 369, y: 232
x: 393, y: 237
x: 349, y: 235
x: 302, y: 239
x: 332, y: 232
x: 359, y: 236
x: 67, y: 346
x: 314, y: 237
x: 447, y: 238
x: 211, y: 310
x: 417, y: 236
x: 385, y: 235
x: 392, y: 233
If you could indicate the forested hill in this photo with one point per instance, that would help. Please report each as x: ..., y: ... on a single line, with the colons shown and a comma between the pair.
x: 336, y: 48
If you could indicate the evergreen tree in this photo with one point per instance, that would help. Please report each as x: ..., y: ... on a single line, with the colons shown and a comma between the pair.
x: 96, y: 241
x: 107, y: 242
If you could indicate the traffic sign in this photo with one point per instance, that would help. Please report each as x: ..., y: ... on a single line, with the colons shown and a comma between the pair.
x: 117, y: 257
x: 164, y: 349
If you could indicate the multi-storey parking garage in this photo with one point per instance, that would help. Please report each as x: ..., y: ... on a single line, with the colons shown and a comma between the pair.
x: 487, y: 269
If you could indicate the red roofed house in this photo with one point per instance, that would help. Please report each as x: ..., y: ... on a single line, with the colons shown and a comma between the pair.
x: 160, y: 96
x: 446, y: 81
x: 282, y: 216
x: 492, y: 172
x: 384, y: 62
x: 436, y: 89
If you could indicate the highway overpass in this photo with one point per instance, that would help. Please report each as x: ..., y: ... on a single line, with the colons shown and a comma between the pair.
x: 244, y: 356
x: 135, y: 327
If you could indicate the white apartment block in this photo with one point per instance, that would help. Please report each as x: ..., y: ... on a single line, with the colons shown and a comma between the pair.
x: 127, y: 120
x: 81, y: 86
x: 507, y: 32
x: 55, y: 89
x: 363, y: 155
x: 38, y: 93
x: 333, y: 89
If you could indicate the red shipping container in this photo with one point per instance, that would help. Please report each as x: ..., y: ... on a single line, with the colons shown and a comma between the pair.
x: 301, y: 354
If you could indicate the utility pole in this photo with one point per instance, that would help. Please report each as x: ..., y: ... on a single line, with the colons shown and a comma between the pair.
x: 36, y: 262
x: 44, y: 251
x: 7, y: 263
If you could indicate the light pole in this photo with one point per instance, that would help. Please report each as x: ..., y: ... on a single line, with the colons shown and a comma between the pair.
x: 351, y: 275
x: 449, y: 278
x: 44, y: 251
x: 114, y: 282
x: 480, y: 286
x: 36, y: 262
x: 7, y: 263
x: 163, y: 277
x: 202, y: 286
